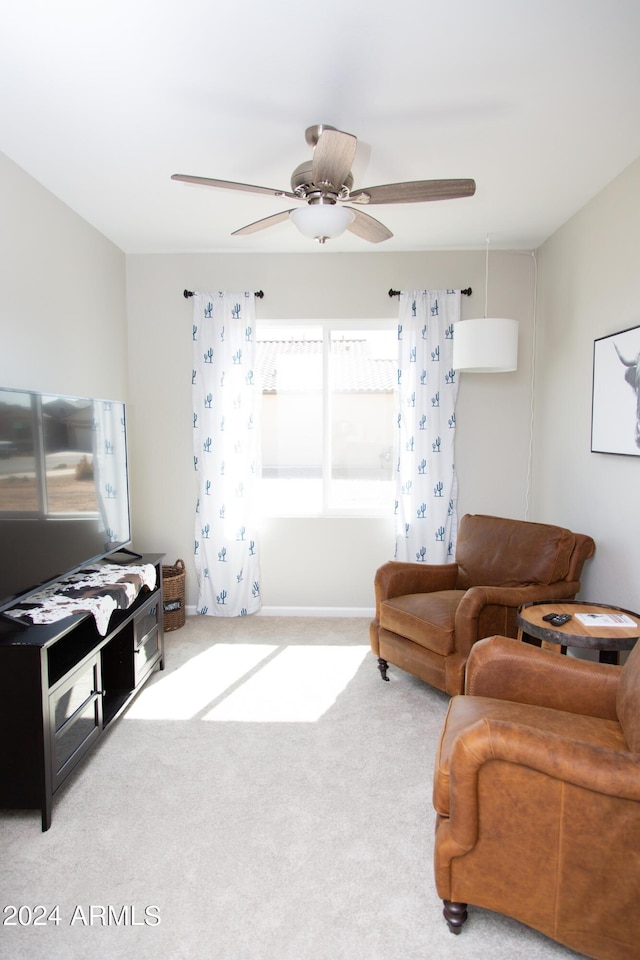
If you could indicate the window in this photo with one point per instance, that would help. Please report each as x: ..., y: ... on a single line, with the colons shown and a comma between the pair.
x: 327, y: 417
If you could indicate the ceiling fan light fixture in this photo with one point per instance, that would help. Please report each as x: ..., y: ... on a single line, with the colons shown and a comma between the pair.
x: 326, y: 178
x: 322, y: 221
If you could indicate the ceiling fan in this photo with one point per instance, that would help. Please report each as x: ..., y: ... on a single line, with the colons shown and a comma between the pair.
x: 325, y: 183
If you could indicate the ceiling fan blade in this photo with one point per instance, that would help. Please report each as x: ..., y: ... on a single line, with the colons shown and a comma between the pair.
x: 262, y: 224
x: 415, y: 191
x: 333, y: 156
x: 368, y: 228
x: 231, y: 185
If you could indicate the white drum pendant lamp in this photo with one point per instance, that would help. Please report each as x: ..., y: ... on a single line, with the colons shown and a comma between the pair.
x: 487, y: 345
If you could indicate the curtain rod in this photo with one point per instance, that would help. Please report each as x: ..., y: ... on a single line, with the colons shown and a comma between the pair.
x: 396, y: 293
x: 191, y: 293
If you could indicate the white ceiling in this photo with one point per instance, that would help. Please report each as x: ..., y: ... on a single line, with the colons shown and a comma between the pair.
x: 102, y: 100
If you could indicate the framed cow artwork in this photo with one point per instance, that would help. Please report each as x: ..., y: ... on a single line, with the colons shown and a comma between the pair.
x: 615, y: 411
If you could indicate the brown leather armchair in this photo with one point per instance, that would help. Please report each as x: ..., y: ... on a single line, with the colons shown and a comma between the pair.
x: 428, y: 616
x: 537, y: 794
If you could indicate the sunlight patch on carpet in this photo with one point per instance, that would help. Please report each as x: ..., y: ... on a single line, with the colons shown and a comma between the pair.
x: 298, y: 685
x: 252, y: 683
x: 183, y: 693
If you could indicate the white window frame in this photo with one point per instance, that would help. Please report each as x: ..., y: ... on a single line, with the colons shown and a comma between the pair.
x: 329, y: 327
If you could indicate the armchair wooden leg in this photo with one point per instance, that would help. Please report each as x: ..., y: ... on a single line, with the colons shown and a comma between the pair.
x: 382, y: 667
x: 455, y: 914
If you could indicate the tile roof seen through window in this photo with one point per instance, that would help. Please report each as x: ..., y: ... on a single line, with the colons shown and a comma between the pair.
x: 353, y: 368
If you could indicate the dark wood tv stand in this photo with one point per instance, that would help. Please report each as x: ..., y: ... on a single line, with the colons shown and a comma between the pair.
x: 62, y: 685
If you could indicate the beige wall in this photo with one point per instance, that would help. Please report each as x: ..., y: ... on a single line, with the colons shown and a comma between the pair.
x: 588, y: 283
x: 62, y: 296
x: 316, y: 563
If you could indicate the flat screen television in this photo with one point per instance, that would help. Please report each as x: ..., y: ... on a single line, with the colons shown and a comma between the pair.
x: 64, y: 488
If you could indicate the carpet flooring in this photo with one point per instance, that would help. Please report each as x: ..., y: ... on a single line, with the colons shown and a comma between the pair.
x: 266, y: 797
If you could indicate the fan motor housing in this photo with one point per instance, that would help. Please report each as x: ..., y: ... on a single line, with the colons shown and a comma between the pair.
x: 302, y: 184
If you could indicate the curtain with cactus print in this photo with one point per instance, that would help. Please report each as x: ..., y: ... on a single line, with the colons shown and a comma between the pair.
x: 225, y: 454
x: 426, y: 485
x: 110, y: 471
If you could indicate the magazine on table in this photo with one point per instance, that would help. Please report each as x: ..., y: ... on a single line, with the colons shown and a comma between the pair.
x: 605, y: 620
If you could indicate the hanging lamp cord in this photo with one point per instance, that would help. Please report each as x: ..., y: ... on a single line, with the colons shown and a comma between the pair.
x: 486, y: 280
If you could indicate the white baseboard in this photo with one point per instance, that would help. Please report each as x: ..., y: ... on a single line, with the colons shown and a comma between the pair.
x: 316, y: 612
x: 305, y: 612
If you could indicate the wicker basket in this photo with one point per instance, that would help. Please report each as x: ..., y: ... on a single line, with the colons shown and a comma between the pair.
x: 173, y: 580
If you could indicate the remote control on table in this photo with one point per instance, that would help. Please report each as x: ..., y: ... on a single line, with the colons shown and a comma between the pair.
x: 557, y: 619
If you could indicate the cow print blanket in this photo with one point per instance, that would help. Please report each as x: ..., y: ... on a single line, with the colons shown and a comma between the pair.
x: 98, y: 589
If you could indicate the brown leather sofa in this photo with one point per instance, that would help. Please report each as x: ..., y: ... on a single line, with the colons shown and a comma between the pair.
x: 428, y: 616
x: 537, y: 794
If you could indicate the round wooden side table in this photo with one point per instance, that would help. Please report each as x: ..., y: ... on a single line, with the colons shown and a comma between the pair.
x: 608, y: 640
